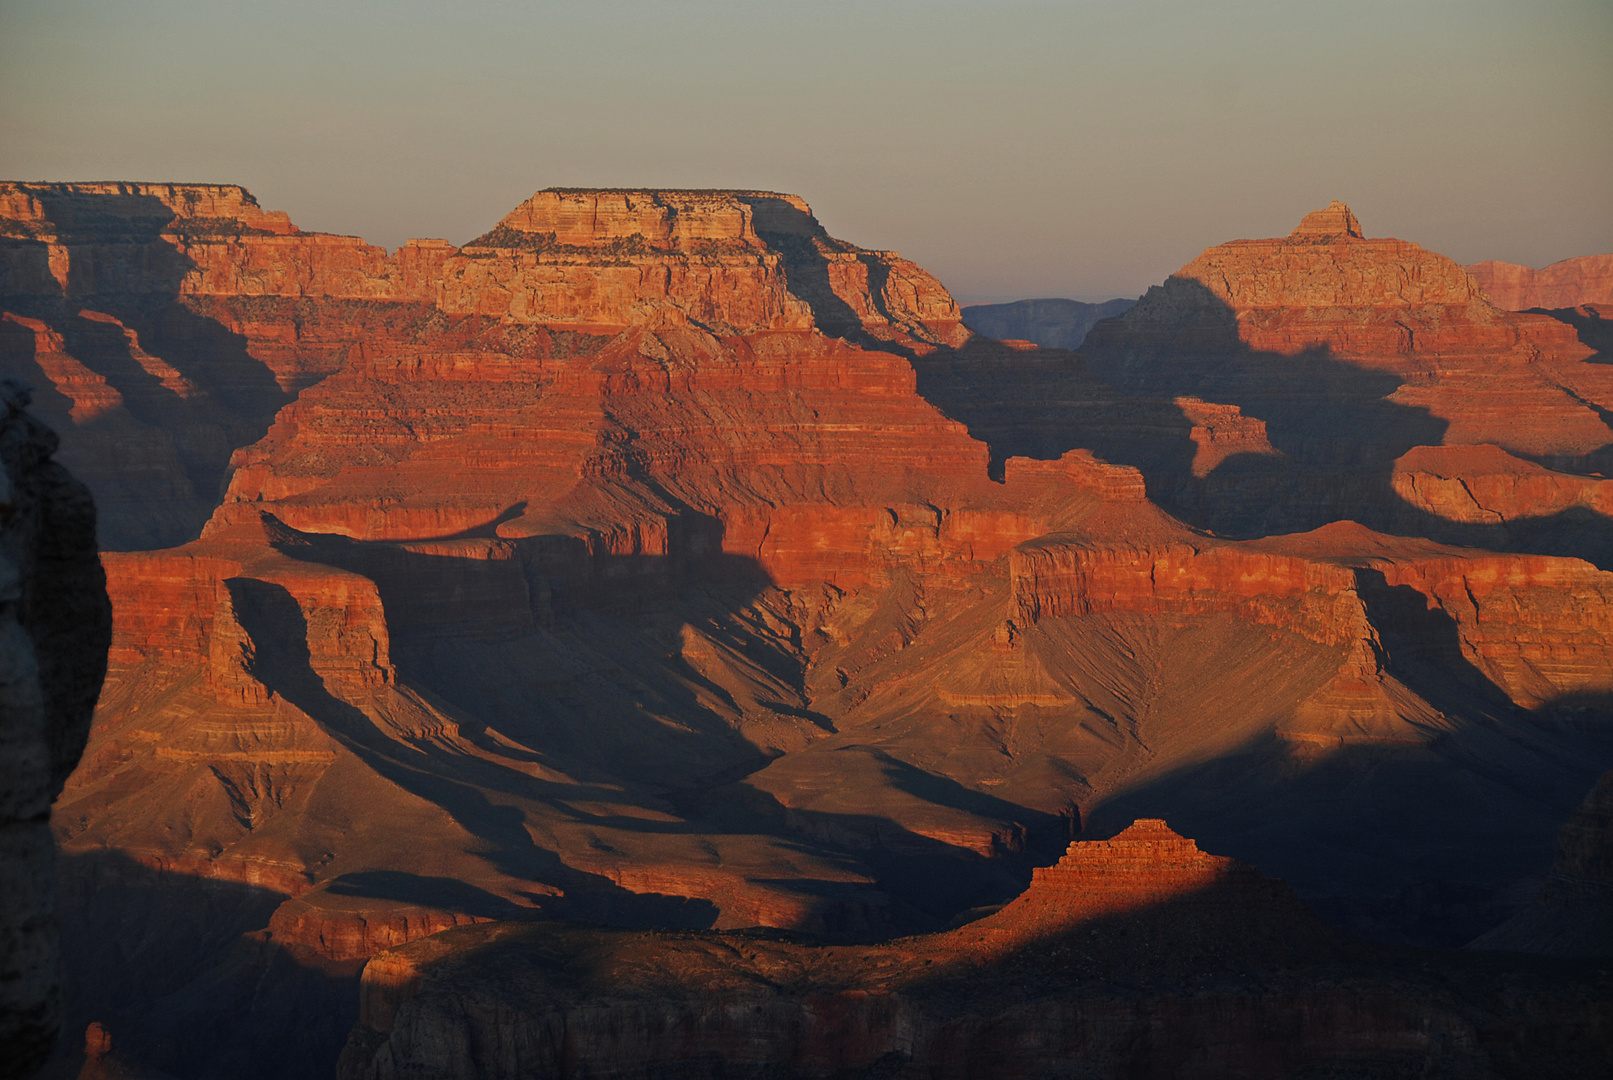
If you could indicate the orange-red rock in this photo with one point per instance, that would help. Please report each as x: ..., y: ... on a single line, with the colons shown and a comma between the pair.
x: 1565, y: 284
x: 657, y: 558
x: 1136, y: 955
x: 1365, y: 304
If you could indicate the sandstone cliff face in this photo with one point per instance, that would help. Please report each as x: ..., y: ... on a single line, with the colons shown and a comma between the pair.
x: 175, y: 319
x: 1372, y: 305
x: 1566, y: 284
x: 1142, y: 933
x: 162, y: 325
x: 54, y: 625
x: 657, y: 559
x: 1336, y: 355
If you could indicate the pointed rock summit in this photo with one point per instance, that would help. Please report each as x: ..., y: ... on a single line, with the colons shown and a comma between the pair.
x: 1165, y: 894
x: 1146, y: 864
x: 1335, y: 220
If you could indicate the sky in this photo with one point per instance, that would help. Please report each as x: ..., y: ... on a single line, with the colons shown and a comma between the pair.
x: 1084, y: 148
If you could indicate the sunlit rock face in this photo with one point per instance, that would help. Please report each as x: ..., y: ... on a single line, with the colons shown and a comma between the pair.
x: 657, y: 559
x: 1567, y: 284
x: 1136, y: 955
x: 1407, y: 329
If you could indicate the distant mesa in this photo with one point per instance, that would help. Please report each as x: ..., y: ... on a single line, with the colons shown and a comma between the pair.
x: 1404, y: 332
x: 1050, y: 323
x: 1570, y: 283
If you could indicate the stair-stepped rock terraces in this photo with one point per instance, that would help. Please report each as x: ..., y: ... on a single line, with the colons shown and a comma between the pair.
x: 1136, y: 956
x: 657, y: 559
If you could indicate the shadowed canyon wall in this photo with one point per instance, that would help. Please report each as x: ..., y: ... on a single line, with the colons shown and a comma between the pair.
x: 656, y: 559
x: 1139, y: 955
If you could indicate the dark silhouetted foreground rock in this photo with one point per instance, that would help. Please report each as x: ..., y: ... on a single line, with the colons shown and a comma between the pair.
x: 55, y: 625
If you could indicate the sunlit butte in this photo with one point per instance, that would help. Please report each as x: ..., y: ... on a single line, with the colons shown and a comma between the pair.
x: 1080, y: 149
x: 828, y: 540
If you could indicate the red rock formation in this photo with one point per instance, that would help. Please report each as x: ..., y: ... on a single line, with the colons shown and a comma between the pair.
x: 1570, y: 283
x: 1373, y: 304
x: 642, y: 561
x: 1142, y: 933
x: 596, y: 262
x: 1485, y: 485
x: 1540, y: 629
x: 361, y: 933
x: 164, y: 324
x: 1148, y: 866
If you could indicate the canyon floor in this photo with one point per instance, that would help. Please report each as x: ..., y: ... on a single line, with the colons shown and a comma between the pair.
x: 657, y: 560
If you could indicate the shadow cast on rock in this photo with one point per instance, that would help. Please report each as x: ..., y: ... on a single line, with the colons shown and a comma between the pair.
x: 796, y: 236
x: 180, y: 971
x: 929, y: 879
x: 179, y: 383
x: 1480, y: 805
x: 1330, y: 433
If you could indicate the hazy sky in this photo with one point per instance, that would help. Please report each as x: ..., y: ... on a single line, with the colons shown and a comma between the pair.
x: 1084, y: 148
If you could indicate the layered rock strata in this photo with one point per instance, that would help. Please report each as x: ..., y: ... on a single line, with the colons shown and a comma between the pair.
x: 1142, y: 933
x: 1566, y: 284
x: 162, y: 325
x: 1337, y: 354
x: 661, y: 560
x: 171, y: 321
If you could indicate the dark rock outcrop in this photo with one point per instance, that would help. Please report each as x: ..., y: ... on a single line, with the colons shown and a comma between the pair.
x: 55, y: 625
x: 1574, y: 914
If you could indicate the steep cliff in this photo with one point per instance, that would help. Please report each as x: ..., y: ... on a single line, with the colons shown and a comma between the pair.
x: 173, y: 321
x: 1567, y: 284
x: 656, y: 559
x: 162, y: 325
x: 1327, y: 297
x: 54, y: 625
